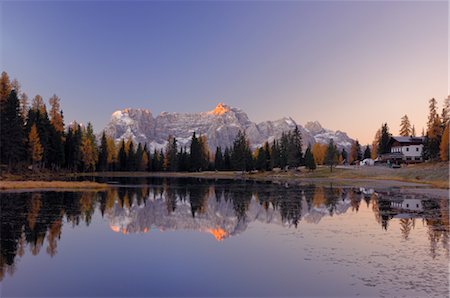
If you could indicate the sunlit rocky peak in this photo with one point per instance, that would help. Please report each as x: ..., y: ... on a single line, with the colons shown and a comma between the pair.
x: 220, y: 109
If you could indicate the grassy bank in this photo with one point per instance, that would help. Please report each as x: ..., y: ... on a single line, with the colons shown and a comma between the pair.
x: 85, y: 185
x: 432, y: 174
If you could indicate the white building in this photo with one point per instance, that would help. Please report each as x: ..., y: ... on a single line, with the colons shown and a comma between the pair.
x: 406, y: 149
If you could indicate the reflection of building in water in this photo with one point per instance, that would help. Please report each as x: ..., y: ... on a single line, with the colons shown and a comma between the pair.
x: 414, y: 205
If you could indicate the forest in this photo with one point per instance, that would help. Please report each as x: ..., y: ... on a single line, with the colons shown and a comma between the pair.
x: 36, y: 139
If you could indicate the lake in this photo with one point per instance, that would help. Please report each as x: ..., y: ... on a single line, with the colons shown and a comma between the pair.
x: 198, y: 237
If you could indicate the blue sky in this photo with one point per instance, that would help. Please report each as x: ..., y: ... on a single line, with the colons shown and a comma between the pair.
x: 350, y: 65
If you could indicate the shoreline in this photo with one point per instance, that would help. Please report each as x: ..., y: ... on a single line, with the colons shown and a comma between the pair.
x: 51, y: 185
x: 424, y: 176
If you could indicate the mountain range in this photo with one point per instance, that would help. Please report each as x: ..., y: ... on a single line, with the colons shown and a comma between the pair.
x: 219, y: 125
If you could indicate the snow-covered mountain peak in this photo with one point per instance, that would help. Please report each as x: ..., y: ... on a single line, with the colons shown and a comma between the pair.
x: 314, y: 127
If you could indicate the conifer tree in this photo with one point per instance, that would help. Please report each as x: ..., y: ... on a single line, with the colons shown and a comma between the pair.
x: 405, y: 127
x: 155, y: 161
x: 344, y: 156
x: 241, y: 155
x: 131, y: 156
x: 72, y: 147
x: 139, y: 153
x: 35, y: 147
x: 24, y: 102
x: 268, y: 156
x: 5, y: 88
x: 433, y: 134
x: 385, y: 136
x: 103, y: 154
x: 445, y: 116
x: 375, y: 144
x: 218, y: 159
x: 145, y: 160
x: 38, y: 104
x: 444, y: 150
x: 355, y: 152
x: 204, y: 152
x: 195, y: 154
x: 284, y: 147
x: 111, y: 153
x: 331, y: 156
x: 122, y: 157
x: 310, y: 163
x: 295, y: 154
x: 183, y: 160
x: 413, y: 131
x: 276, y: 159
x: 161, y: 160
x: 88, y: 152
x: 260, y: 160
x: 227, y: 159
x: 319, y: 151
x: 367, y: 152
x: 171, y: 158
x: 56, y: 118
x: 12, y: 142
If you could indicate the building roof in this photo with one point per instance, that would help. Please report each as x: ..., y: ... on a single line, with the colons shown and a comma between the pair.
x: 408, y: 140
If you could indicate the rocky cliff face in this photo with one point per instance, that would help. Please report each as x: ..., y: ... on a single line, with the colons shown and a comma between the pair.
x: 220, y: 126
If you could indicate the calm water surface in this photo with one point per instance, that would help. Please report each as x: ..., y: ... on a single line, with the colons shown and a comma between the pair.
x: 191, y: 237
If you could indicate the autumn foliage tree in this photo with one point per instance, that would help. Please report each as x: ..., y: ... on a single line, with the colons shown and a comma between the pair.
x: 35, y: 147
x: 405, y: 127
x: 434, y: 132
x: 318, y: 151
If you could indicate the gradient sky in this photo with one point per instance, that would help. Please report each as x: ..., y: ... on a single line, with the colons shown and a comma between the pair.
x: 350, y: 65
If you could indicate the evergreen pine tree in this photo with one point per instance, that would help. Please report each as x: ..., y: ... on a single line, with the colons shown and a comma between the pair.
x: 218, y: 159
x: 241, y: 156
x: 139, y: 153
x: 276, y: 160
x: 103, y: 153
x: 12, y: 140
x: 367, y: 152
x: 195, y: 154
x: 227, y: 159
x: 268, y: 158
x: 310, y: 163
x: 260, y: 162
x: 383, y: 146
x: 331, y: 156
x: 344, y: 155
x: 122, y: 157
x: 131, y: 157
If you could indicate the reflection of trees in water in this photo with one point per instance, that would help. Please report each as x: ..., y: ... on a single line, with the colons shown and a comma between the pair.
x: 31, y: 219
x: 406, y: 224
x: 437, y: 220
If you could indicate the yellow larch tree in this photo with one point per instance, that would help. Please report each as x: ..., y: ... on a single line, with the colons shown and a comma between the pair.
x: 35, y: 147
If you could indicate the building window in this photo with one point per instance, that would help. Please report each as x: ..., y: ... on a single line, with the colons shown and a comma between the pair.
x: 407, y: 148
x: 417, y: 149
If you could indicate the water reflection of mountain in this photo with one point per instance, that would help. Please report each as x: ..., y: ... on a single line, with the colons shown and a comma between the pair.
x: 226, y: 211
x: 222, y: 208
